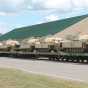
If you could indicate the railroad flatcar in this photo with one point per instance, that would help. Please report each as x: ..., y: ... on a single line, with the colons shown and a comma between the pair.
x: 75, y: 50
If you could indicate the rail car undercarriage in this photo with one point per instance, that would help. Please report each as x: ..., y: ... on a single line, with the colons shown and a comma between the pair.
x: 53, y: 56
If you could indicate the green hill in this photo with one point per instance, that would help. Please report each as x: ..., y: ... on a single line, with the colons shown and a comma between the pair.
x: 42, y: 29
x: 0, y: 34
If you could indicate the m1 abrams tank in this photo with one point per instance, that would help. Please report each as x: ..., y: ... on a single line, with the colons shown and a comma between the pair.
x: 47, y: 44
x: 3, y: 47
x: 75, y: 50
x: 27, y: 45
x: 9, y: 45
x: 72, y: 46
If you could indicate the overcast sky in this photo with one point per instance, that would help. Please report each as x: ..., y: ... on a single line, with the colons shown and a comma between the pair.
x: 19, y: 13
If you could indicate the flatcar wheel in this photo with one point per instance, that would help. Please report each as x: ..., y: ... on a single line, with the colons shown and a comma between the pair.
x: 61, y: 59
x: 67, y: 59
x: 84, y: 61
x: 64, y: 59
x: 81, y: 60
x: 57, y: 58
x: 75, y: 60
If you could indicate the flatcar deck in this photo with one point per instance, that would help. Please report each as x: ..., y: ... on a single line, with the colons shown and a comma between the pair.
x: 44, y: 54
x: 60, y: 56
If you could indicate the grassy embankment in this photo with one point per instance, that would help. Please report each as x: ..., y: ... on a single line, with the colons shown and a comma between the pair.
x: 10, y: 78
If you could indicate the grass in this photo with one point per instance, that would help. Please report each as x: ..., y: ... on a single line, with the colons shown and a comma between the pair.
x: 10, y: 78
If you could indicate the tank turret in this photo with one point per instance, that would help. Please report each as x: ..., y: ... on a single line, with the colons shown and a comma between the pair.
x: 32, y: 41
x: 11, y: 44
x: 28, y: 44
x: 43, y: 43
x: 53, y: 41
x: 83, y: 38
x: 3, y: 46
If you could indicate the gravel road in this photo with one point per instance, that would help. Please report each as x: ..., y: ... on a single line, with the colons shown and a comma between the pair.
x: 73, y: 71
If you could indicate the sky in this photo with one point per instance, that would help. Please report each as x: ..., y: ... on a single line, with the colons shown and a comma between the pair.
x: 20, y: 13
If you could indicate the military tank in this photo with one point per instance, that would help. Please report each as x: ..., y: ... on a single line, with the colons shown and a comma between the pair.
x: 3, y: 47
x: 9, y: 45
x: 75, y: 46
x: 75, y: 50
x: 47, y: 44
x: 27, y: 45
